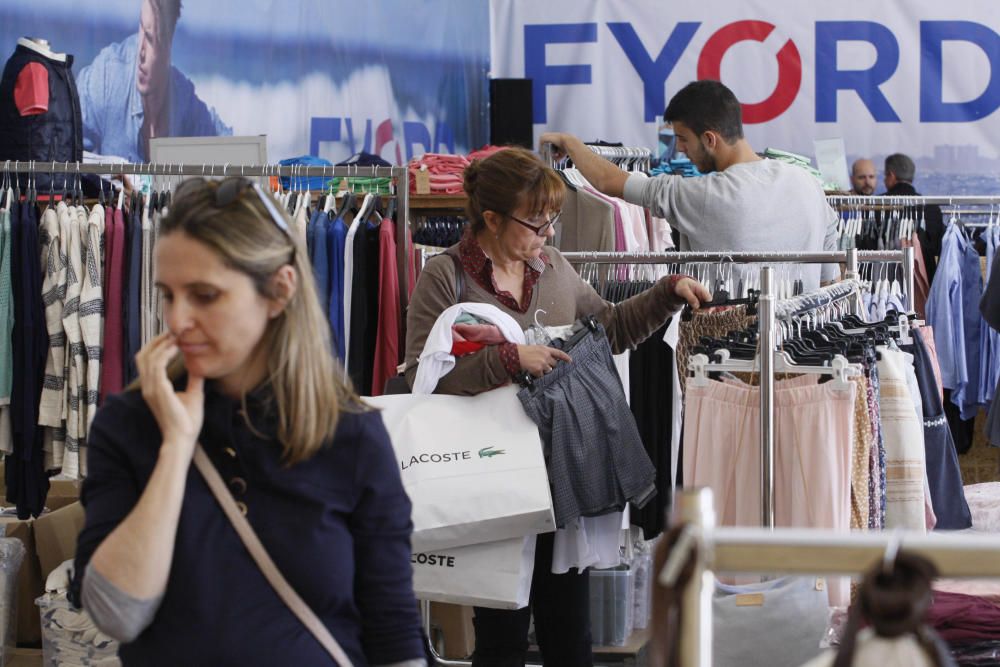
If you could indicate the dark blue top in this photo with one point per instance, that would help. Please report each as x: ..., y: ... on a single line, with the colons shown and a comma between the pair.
x: 27, y: 483
x: 321, y: 263
x: 337, y: 526
x: 336, y: 243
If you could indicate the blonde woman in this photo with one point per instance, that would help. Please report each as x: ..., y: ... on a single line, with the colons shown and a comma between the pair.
x: 245, y: 368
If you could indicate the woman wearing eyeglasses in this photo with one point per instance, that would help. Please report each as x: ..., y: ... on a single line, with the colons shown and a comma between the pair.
x: 246, y: 370
x: 513, y: 201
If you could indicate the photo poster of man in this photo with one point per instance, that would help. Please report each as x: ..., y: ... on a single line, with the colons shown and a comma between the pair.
x: 328, y: 78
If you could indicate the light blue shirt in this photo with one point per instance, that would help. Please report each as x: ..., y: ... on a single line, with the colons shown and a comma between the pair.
x: 989, y: 364
x: 953, y: 311
x: 112, y: 107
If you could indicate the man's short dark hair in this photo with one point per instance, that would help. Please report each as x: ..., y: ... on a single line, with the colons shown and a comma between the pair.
x: 901, y: 166
x: 707, y: 105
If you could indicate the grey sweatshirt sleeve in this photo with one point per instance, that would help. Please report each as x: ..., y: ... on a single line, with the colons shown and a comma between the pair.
x: 116, y: 613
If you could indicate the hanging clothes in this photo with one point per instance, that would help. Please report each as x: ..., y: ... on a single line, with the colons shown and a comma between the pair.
x: 27, y: 483
x: 904, y: 444
x: 990, y: 308
x: 364, y: 305
x: 989, y: 364
x: 589, y: 478
x: 6, y: 329
x: 651, y: 373
x: 387, y: 332
x: 587, y: 222
x: 336, y: 248
x: 52, y: 406
x: 943, y: 472
x: 952, y: 310
x: 134, y: 283
x: 812, y: 484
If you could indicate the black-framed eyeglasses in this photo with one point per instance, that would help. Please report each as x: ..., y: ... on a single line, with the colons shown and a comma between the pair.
x: 539, y: 230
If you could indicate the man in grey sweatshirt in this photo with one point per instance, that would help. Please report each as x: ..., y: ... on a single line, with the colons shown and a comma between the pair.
x: 743, y: 204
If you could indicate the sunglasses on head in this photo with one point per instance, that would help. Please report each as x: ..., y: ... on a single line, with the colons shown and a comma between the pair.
x: 231, y: 189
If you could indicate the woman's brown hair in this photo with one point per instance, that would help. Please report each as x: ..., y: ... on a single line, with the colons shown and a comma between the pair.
x: 511, y: 179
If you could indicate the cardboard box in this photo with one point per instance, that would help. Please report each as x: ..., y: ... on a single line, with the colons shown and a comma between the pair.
x: 62, y: 492
x: 55, y: 537
x: 26, y: 657
x: 29, y: 581
x: 455, y: 624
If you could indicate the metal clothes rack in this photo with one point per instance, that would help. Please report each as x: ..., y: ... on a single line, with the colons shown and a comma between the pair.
x: 800, y: 551
x: 257, y: 170
x: 854, y: 201
x: 766, y: 321
x: 768, y: 332
x: 641, y: 158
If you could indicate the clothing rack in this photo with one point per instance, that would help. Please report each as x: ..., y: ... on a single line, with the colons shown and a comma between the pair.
x: 640, y: 157
x: 767, y: 322
x: 256, y: 170
x: 855, y: 201
x: 851, y: 257
x: 796, y: 551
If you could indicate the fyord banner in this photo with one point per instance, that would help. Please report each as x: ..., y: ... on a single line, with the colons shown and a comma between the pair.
x: 320, y: 77
x: 915, y: 76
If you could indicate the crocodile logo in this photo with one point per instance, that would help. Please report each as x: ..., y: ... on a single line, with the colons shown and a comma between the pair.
x: 489, y: 452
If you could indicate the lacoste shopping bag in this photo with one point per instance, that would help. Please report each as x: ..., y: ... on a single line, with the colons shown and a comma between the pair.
x: 472, y: 466
x: 495, y: 574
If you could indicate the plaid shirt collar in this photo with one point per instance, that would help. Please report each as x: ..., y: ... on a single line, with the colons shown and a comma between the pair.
x: 480, y: 267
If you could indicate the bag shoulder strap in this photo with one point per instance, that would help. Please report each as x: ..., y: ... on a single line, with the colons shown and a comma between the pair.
x: 263, y: 560
x: 459, y: 277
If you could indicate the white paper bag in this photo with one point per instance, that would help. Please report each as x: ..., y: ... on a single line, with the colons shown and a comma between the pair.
x: 495, y: 574
x: 472, y: 466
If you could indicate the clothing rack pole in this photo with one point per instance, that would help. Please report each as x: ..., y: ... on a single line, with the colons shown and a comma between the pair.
x: 767, y: 347
x: 192, y: 169
x: 802, y: 551
x: 403, y: 254
x: 852, y: 264
x: 858, y: 201
x: 683, y: 257
x: 908, y: 276
x: 852, y: 256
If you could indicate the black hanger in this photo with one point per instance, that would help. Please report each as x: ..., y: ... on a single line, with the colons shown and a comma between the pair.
x: 569, y: 184
x: 346, y: 204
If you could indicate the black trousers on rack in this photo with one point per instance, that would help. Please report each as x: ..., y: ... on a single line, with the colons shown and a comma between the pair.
x: 561, y: 607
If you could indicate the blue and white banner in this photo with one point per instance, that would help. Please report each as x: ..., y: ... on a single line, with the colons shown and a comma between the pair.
x: 323, y: 77
x: 920, y: 77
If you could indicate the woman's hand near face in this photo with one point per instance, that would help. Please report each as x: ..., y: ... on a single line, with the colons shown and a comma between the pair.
x: 179, y: 414
x: 540, y: 359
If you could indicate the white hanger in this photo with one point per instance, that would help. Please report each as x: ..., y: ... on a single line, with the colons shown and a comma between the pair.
x: 840, y: 368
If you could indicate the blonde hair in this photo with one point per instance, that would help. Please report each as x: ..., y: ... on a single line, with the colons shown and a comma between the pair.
x: 308, y: 384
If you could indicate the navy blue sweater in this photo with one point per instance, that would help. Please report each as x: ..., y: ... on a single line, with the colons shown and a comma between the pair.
x: 337, y: 526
